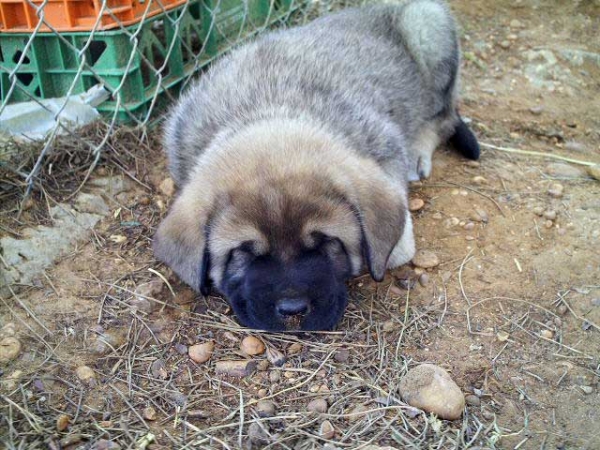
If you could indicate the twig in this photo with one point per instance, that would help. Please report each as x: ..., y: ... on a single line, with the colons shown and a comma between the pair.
x: 539, y: 154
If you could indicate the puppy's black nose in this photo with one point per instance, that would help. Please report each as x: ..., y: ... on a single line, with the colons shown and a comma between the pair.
x: 292, y: 306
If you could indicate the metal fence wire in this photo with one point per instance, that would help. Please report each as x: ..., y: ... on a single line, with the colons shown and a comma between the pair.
x: 67, y: 62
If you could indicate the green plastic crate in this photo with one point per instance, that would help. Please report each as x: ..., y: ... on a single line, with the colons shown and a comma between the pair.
x: 179, y: 41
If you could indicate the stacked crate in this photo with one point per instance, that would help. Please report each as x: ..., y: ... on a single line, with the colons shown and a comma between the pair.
x: 139, y: 50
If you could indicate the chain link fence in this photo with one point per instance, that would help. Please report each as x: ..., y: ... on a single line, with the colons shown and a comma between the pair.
x: 65, y: 63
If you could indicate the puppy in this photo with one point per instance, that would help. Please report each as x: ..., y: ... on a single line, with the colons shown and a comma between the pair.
x: 293, y: 156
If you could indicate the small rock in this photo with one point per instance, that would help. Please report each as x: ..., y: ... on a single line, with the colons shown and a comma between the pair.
x: 415, y: 204
x: 235, y: 368
x: 257, y: 434
x: 294, y: 349
x: 200, y: 353
x: 538, y: 210
x: 562, y: 170
x: 62, y: 423
x: 575, y: 146
x: 274, y: 376
x: 342, y: 355
x: 515, y: 23
x: 167, y: 187
x: 479, y: 215
x: 357, y: 413
x: 265, y: 408
x: 587, y: 389
x: 469, y: 226
x: 536, y: 110
x: 436, y: 216
x: 425, y: 259
x: 275, y: 357
x: 505, y: 44
x: 263, y: 365
x: 262, y: 393
x: 326, y: 430
x: 389, y: 325
x: 11, y: 382
x: 149, y: 413
x: 550, y: 214
x: 487, y: 414
x: 424, y: 279
x: 430, y: 388
x: 594, y: 171
x: 144, y: 200
x: 556, y: 190
x: 406, y: 278
x: 548, y: 224
x: 91, y: 203
x: 479, y: 180
x: 159, y: 369
x: 8, y: 330
x: 594, y: 302
x: 85, y: 374
x: 10, y: 348
x: 472, y: 400
x: 470, y: 238
x: 502, y: 336
x: 252, y: 346
x: 318, y: 405
x: 546, y: 334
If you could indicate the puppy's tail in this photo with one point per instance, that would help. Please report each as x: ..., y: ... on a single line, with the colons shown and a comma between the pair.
x: 464, y: 141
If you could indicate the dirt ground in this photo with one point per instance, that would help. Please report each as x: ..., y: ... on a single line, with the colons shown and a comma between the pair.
x: 511, y: 311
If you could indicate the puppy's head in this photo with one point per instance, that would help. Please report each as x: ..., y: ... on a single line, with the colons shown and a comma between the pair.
x: 280, y: 234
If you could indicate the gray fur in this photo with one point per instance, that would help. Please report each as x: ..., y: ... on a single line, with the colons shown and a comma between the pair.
x: 375, y: 77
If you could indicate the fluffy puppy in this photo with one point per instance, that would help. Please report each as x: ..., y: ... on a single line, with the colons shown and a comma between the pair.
x: 293, y: 156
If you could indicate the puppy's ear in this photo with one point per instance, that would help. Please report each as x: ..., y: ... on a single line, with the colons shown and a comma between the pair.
x: 382, y: 215
x: 180, y: 241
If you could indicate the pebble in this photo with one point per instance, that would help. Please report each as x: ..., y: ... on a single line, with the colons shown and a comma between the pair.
x: 594, y: 171
x: 556, y: 190
x: 587, y: 389
x: 536, y: 110
x: 8, y: 330
x: 548, y: 224
x: 265, y: 408
x: 431, y: 389
x: 263, y: 365
x: 326, y: 430
x: 538, y: 210
x: 252, y: 346
x: 235, y: 368
x: 62, y: 422
x: 275, y: 357
x: 550, y: 214
x: 424, y: 279
x: 472, y: 400
x: 505, y: 44
x: 479, y: 180
x: 425, y: 259
x: 546, y: 334
x: 415, y: 204
x: 144, y: 200
x: 257, y: 434
x: 594, y: 302
x: 562, y: 170
x: 469, y: 226
x: 515, y: 23
x: 318, y: 405
x: 357, y: 413
x: 562, y: 310
x: 437, y: 216
x: 262, y: 393
x: 502, y: 336
x: 294, y: 348
x: 274, y: 376
x: 85, y: 374
x: 200, y: 353
x: 11, y: 382
x: 167, y: 187
x: 10, y: 348
x: 479, y: 215
x: 159, y: 370
x: 470, y: 238
x: 149, y: 413
x: 574, y: 146
x: 342, y: 355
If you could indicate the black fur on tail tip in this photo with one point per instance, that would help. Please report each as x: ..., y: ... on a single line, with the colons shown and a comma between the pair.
x: 465, y: 141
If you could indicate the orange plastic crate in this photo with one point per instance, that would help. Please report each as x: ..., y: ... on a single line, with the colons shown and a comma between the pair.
x: 20, y: 16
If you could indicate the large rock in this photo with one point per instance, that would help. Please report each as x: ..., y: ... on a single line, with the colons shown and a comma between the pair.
x: 431, y: 389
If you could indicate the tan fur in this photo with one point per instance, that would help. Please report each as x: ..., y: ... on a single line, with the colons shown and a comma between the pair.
x: 274, y: 183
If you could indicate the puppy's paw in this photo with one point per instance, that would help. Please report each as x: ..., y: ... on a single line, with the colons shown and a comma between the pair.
x: 424, y: 167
